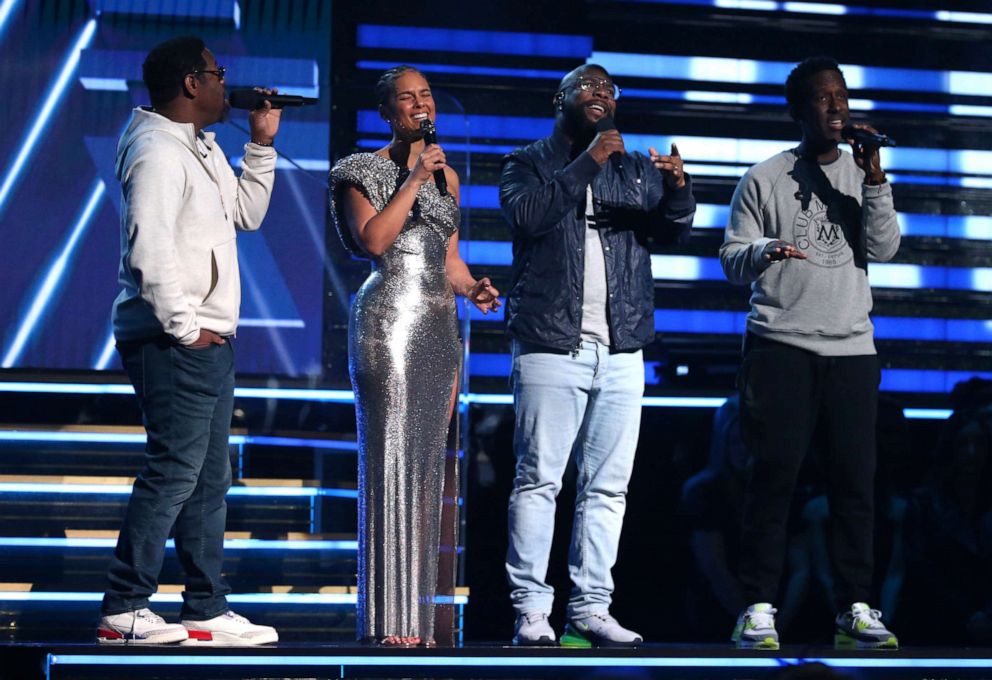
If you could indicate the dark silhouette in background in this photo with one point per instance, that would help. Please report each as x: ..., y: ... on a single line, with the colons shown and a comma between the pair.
x: 948, y: 529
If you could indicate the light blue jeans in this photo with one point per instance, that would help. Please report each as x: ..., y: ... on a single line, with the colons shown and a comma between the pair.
x: 589, y: 402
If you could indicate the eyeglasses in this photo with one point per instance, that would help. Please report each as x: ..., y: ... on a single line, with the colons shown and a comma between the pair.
x: 600, y: 85
x: 219, y: 72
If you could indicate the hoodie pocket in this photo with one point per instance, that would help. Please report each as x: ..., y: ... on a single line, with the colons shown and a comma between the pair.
x: 223, y: 257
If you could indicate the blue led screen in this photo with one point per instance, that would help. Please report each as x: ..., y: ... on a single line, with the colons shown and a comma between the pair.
x: 77, y: 70
x: 77, y: 75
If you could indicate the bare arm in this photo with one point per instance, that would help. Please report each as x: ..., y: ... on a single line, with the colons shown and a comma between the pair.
x: 480, y: 292
x: 375, y: 231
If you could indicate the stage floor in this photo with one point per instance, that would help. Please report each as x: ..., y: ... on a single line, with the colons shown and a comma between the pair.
x: 27, y: 661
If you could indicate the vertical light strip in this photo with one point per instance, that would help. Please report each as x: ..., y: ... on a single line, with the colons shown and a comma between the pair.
x: 6, y: 9
x: 106, y: 353
x: 52, y: 279
x: 41, y: 120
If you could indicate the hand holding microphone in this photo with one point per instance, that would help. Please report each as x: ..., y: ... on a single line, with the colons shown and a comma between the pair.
x: 866, y: 134
x: 865, y: 142
x: 431, y: 161
x: 265, y: 106
x: 607, y: 144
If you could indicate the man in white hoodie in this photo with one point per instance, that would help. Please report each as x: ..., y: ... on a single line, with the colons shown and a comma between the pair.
x: 174, y: 322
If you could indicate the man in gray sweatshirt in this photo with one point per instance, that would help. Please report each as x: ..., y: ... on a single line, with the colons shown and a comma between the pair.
x: 803, y: 226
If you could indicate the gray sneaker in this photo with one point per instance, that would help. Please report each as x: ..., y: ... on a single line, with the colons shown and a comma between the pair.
x: 861, y: 627
x: 755, y: 628
x: 533, y: 630
x: 598, y: 630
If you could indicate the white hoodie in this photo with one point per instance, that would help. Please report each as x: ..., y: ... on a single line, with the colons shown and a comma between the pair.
x: 181, y: 204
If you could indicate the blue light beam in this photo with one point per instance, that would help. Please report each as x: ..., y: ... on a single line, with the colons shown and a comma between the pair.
x: 6, y: 9
x: 53, y: 278
x: 47, y: 109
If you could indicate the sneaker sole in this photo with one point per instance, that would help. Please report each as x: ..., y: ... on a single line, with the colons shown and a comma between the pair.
x: 843, y: 641
x: 227, y: 640
x: 540, y: 642
x: 767, y: 644
x: 163, y: 639
x: 573, y: 639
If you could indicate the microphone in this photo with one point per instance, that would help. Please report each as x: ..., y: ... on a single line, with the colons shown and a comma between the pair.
x: 248, y: 98
x: 865, y: 137
x: 430, y: 137
x: 602, y: 125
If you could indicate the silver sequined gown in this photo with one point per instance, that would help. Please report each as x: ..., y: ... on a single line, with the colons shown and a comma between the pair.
x: 403, y: 355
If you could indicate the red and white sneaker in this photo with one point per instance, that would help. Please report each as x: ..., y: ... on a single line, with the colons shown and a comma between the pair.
x: 140, y: 627
x: 228, y: 630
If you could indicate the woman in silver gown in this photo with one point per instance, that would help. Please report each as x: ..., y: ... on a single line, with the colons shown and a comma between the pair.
x: 404, y: 353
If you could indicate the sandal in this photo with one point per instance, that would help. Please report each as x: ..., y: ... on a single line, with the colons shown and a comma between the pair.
x: 395, y: 642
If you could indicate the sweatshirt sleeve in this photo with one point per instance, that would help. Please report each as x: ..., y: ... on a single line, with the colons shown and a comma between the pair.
x: 534, y: 207
x: 880, y: 225
x: 744, y: 239
x: 258, y: 171
x: 153, y: 193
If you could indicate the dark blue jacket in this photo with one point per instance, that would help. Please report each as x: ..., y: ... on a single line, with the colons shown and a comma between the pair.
x: 542, y: 191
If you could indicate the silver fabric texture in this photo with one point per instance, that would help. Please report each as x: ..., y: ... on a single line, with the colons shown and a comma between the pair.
x: 403, y: 355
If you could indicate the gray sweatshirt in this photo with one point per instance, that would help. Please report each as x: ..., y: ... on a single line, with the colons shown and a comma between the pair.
x: 820, y: 304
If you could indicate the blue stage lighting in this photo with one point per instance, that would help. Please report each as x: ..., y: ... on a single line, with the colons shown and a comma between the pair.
x: 47, y: 109
x: 485, y: 42
x: 6, y: 9
x: 229, y: 543
x: 52, y: 279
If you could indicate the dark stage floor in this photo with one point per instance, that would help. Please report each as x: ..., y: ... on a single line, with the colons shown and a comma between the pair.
x: 28, y: 661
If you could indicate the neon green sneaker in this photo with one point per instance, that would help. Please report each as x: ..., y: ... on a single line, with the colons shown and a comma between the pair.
x: 598, y: 630
x: 861, y: 627
x: 755, y: 628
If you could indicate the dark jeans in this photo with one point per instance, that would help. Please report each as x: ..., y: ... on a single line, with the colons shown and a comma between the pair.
x: 785, y: 392
x: 186, y: 397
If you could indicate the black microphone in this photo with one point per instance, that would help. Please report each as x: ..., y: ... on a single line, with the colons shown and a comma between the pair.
x: 602, y: 125
x: 430, y: 137
x: 865, y: 137
x: 249, y: 98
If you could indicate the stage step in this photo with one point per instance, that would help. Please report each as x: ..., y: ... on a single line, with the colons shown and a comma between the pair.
x: 290, y: 552
x: 119, y: 450
x: 49, y: 504
x: 79, y: 560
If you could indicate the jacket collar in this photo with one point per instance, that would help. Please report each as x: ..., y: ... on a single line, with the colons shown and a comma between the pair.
x: 558, y: 142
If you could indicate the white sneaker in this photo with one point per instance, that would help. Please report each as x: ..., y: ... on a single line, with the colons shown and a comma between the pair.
x: 755, y: 628
x: 861, y: 627
x: 228, y: 630
x: 533, y: 630
x: 140, y: 627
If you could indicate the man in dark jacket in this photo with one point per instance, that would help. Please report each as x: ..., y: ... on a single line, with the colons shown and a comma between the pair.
x: 580, y: 308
